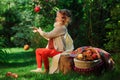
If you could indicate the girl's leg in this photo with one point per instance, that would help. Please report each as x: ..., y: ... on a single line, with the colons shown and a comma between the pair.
x: 39, y: 58
x: 46, y: 53
x: 42, y: 54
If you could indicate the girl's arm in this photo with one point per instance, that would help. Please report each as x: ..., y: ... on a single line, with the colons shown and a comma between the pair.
x: 57, y: 31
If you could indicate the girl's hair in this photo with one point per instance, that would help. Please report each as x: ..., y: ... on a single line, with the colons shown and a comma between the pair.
x: 66, y: 16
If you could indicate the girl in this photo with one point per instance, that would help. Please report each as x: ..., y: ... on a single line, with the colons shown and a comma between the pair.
x: 56, y: 40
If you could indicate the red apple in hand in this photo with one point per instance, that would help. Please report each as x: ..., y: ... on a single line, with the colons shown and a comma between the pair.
x: 37, y: 9
x: 94, y: 56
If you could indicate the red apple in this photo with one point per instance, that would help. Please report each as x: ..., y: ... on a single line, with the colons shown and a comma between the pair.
x: 37, y: 9
x: 94, y: 56
x: 14, y: 75
x: 8, y: 73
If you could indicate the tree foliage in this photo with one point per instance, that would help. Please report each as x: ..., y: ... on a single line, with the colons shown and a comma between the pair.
x: 94, y: 22
x: 113, y: 29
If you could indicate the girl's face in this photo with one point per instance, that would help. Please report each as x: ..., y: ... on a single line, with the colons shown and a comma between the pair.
x: 59, y: 17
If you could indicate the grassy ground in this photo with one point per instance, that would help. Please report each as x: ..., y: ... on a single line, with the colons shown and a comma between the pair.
x: 21, y: 62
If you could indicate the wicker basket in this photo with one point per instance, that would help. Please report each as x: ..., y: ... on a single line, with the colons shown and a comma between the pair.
x: 88, y: 67
x: 86, y: 64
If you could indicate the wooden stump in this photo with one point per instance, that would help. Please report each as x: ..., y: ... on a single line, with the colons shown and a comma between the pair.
x: 66, y: 64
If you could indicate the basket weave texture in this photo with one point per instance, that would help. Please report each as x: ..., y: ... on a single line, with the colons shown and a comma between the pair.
x: 86, y: 64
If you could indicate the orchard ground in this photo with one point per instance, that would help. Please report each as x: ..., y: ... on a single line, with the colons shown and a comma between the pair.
x: 21, y: 61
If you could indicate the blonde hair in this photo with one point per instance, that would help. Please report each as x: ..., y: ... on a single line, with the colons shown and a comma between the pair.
x: 66, y: 16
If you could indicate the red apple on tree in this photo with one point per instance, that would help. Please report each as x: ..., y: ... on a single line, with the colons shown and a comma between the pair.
x: 37, y: 9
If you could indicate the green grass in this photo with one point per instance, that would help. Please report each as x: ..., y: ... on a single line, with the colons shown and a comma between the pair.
x: 21, y: 62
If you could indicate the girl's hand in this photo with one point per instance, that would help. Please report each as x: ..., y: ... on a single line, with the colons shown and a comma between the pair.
x: 34, y: 29
x: 39, y: 30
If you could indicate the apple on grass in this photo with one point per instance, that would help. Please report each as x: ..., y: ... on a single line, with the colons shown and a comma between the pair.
x: 14, y: 75
x: 8, y: 73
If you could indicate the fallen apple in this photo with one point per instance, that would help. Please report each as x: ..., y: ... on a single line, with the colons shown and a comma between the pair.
x: 14, y: 75
x: 26, y: 47
x: 8, y: 73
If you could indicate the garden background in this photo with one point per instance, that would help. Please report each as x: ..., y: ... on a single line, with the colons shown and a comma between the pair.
x: 94, y: 23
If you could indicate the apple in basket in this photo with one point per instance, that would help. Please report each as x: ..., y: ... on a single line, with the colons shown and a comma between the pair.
x: 94, y: 56
x: 80, y: 56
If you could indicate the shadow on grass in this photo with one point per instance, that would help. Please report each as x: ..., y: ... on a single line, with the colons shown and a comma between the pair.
x: 19, y: 59
x: 16, y: 64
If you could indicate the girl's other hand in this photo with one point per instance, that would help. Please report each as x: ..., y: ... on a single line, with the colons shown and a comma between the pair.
x: 39, y: 30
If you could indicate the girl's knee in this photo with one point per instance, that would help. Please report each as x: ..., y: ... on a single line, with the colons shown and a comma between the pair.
x: 40, y: 51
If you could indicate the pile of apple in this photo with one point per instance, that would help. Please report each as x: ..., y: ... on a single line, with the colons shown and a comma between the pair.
x: 10, y: 74
x: 87, y: 56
